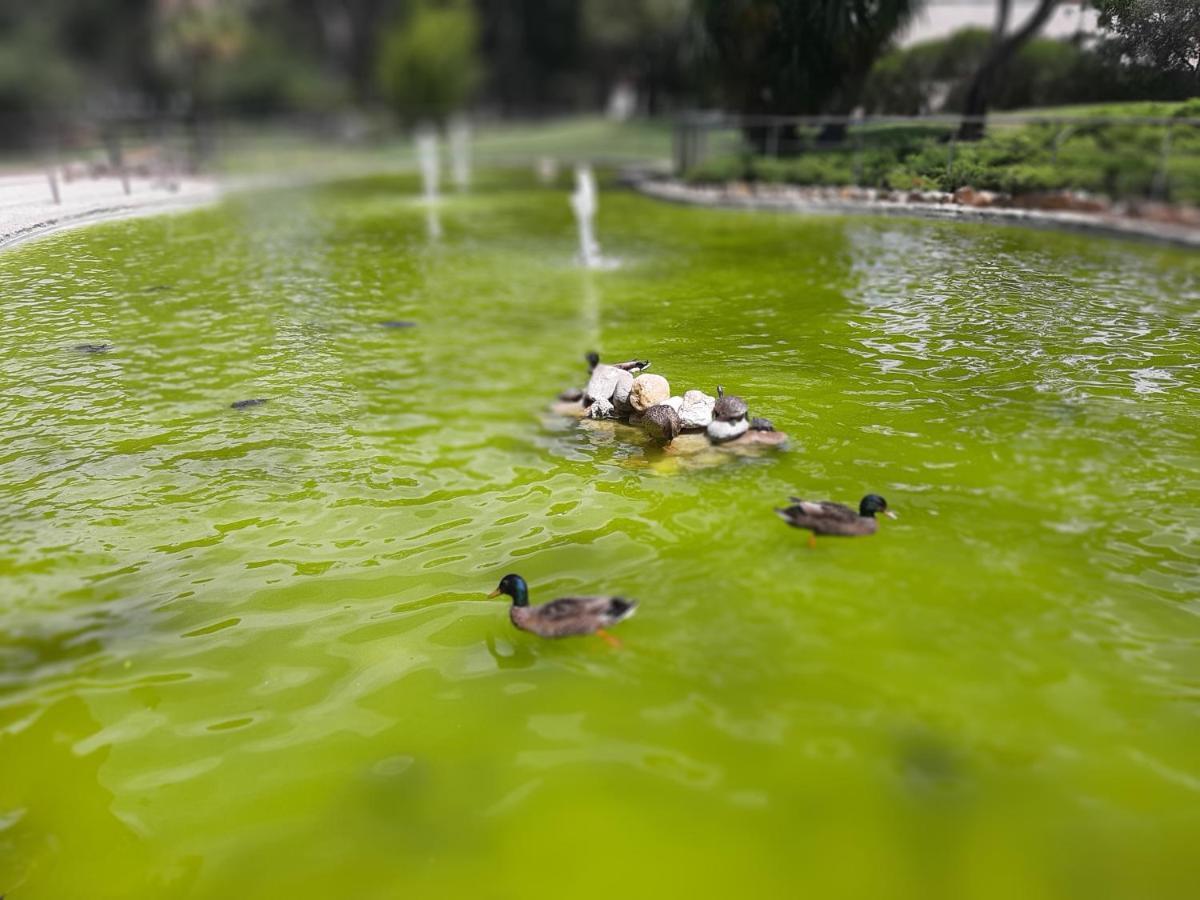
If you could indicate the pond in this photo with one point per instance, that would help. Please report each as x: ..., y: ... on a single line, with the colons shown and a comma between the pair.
x: 244, y: 652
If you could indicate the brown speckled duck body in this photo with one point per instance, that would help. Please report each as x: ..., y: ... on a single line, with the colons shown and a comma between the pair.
x: 564, y: 617
x: 836, y: 519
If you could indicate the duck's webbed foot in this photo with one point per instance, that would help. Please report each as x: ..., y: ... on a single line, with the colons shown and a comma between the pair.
x: 611, y: 639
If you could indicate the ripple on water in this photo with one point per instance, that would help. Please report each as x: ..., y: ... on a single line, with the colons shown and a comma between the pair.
x: 250, y: 620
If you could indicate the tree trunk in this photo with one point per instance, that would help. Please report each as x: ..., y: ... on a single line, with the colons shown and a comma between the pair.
x: 999, y: 54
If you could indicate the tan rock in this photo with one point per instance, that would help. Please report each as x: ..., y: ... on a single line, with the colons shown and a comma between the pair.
x: 648, y: 391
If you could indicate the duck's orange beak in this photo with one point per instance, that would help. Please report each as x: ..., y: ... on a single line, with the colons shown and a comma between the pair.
x: 493, y: 594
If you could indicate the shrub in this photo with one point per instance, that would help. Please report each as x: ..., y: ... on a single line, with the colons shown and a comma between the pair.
x: 427, y: 66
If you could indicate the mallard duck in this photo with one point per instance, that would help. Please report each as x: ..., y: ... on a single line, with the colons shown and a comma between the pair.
x: 827, y: 517
x: 566, y: 616
x: 729, y: 408
x: 633, y: 366
x: 661, y: 422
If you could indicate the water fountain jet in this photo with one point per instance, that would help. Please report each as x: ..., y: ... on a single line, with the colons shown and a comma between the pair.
x: 460, y: 153
x: 429, y: 160
x: 583, y: 204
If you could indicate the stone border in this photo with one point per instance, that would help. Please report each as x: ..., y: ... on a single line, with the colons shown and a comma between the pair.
x: 32, y: 216
x: 801, y: 200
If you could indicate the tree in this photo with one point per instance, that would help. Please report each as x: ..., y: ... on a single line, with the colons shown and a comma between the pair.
x: 798, y: 56
x: 1003, y: 48
x: 195, y: 39
x: 1164, y: 34
x: 640, y: 41
x: 427, y: 66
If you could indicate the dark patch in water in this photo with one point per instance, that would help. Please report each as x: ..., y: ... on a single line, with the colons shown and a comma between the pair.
x: 398, y: 323
x: 92, y: 348
x: 155, y: 288
x: 246, y: 404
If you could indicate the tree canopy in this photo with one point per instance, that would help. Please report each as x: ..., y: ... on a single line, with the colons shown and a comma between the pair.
x: 1164, y: 34
x: 798, y: 56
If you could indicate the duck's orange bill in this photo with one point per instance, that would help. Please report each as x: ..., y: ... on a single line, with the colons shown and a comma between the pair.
x: 495, y: 593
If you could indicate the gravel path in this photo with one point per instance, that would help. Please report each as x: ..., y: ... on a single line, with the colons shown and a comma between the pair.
x: 28, y: 210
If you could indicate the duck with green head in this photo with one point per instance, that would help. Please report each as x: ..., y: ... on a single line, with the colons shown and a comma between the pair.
x: 566, y: 616
x: 827, y: 517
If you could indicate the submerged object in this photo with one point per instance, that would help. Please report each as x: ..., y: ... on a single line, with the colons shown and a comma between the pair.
x: 661, y: 422
x: 398, y: 323
x: 566, y: 616
x: 92, y: 348
x: 827, y: 517
x: 246, y: 404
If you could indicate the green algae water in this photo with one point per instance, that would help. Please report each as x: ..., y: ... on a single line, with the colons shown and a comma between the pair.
x: 245, y: 652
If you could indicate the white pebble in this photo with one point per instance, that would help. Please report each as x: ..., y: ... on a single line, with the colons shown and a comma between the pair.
x: 696, y: 411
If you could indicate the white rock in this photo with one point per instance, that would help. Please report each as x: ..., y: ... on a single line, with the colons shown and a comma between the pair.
x: 720, y: 431
x: 601, y: 409
x: 648, y: 391
x: 696, y: 411
x: 603, y: 382
x: 620, y: 394
x: 675, y: 403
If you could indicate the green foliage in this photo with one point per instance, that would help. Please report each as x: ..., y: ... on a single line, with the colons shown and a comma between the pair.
x: 427, y: 66
x: 266, y: 78
x: 1163, y: 34
x: 797, y: 56
x: 933, y: 76
x: 34, y: 76
x: 1120, y: 160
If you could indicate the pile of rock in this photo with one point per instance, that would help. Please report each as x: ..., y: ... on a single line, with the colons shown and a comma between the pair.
x: 626, y: 393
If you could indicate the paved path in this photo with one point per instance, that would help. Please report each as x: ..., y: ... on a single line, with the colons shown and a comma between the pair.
x: 28, y: 210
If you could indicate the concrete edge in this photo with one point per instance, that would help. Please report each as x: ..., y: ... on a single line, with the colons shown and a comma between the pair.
x: 672, y: 191
x: 96, y: 215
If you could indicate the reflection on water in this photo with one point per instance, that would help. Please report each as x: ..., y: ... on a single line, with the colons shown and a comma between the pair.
x: 247, y: 648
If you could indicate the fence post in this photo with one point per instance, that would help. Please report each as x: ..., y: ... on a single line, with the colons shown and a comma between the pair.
x: 52, y: 177
x: 858, y: 162
x: 1161, y: 185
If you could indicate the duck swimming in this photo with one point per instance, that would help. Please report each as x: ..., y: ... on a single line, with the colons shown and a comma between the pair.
x: 566, y: 616
x: 827, y: 517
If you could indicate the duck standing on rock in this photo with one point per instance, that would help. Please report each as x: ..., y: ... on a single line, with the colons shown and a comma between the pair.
x: 728, y: 418
x: 827, y: 517
x: 566, y: 616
